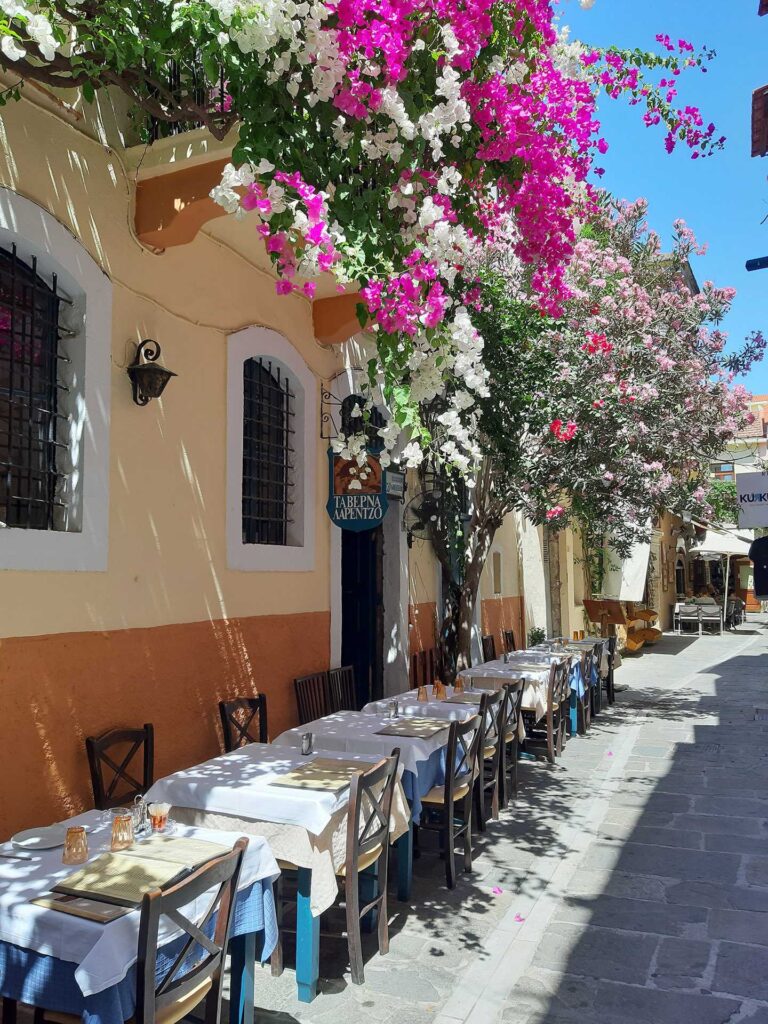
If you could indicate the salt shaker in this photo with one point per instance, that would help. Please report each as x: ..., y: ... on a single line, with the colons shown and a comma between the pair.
x: 394, y: 709
x: 306, y: 743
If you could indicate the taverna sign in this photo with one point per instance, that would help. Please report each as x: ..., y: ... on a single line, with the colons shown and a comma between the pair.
x: 357, y: 496
x: 752, y: 495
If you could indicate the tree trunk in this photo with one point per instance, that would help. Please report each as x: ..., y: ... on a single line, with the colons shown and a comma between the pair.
x: 447, y: 639
x: 477, y: 553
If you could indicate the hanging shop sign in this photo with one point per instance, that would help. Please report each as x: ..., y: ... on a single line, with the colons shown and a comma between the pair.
x: 357, y: 496
x: 752, y: 495
x: 395, y: 484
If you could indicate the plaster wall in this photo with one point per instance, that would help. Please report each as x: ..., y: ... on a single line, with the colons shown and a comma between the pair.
x: 167, y: 628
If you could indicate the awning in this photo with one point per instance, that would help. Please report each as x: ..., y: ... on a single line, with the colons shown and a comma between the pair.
x: 722, y: 542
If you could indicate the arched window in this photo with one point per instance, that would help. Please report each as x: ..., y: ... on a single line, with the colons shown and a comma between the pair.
x: 30, y: 445
x: 268, y: 450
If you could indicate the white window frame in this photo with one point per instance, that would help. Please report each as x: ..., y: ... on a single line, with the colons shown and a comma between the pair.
x: 84, y: 545
x: 298, y: 555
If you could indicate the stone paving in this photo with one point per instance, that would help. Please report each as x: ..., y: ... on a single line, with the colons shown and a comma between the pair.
x: 628, y: 883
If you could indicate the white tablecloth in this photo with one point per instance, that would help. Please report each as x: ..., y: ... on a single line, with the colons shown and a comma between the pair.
x: 242, y: 782
x: 410, y: 707
x: 104, y: 952
x: 497, y: 673
x: 302, y: 827
x: 354, y: 731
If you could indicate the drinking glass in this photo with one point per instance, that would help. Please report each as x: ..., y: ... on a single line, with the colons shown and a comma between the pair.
x: 122, y: 832
x: 75, y: 846
x: 158, y: 816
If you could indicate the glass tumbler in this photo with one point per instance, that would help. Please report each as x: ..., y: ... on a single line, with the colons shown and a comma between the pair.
x: 75, y: 846
x: 122, y: 832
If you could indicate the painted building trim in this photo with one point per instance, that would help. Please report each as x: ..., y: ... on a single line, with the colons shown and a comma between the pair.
x: 84, y: 545
x: 299, y: 554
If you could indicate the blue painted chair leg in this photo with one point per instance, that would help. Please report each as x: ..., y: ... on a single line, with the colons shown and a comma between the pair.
x: 404, y: 847
x: 242, y: 949
x: 307, y: 940
x: 369, y: 890
x: 573, y: 717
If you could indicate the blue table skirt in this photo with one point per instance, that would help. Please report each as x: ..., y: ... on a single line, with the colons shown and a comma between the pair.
x: 576, y: 680
x: 431, y: 773
x: 40, y: 980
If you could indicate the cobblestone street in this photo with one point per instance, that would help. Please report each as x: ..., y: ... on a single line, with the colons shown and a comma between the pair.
x: 629, y: 883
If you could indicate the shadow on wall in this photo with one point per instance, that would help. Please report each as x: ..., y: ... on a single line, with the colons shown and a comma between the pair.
x: 59, y: 689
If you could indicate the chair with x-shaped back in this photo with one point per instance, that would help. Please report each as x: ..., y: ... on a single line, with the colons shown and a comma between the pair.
x: 173, y: 980
x: 113, y: 759
x: 244, y: 720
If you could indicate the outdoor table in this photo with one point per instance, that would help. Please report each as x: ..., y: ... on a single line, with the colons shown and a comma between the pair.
x: 422, y: 758
x: 307, y: 828
x: 71, y: 965
x: 495, y: 674
x: 409, y: 706
x: 423, y: 761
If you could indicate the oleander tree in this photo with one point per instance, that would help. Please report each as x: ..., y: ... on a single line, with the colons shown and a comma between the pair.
x: 381, y: 142
x: 605, y: 416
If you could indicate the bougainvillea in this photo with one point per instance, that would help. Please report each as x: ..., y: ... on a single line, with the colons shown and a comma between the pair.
x: 380, y: 142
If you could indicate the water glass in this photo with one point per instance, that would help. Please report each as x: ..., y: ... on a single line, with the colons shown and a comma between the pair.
x: 122, y: 832
x: 75, y: 846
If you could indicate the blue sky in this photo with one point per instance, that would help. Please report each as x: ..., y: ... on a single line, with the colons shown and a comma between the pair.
x: 724, y: 197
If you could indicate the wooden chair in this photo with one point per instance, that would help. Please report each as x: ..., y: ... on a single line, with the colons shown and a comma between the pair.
x: 509, y: 641
x: 312, y: 697
x: 489, y: 756
x: 447, y: 809
x: 370, y: 806
x: 425, y: 666
x: 551, y: 736
x: 368, y: 824
x: 341, y: 683
x: 166, y: 995
x: 489, y: 648
x: 510, y: 741
x: 244, y: 720
x: 112, y: 758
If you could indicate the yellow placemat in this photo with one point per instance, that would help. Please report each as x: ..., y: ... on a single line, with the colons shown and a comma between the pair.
x: 419, y: 728
x: 464, y: 698
x: 120, y: 879
x: 324, y: 773
x: 180, y: 850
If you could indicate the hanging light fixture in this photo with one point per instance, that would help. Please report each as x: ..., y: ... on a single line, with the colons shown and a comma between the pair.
x: 148, y: 375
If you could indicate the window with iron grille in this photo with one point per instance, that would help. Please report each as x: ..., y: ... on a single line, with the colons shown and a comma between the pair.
x: 268, y: 463
x: 30, y: 448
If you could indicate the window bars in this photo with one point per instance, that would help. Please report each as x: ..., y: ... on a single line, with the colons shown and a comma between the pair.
x: 30, y: 473
x: 268, y: 429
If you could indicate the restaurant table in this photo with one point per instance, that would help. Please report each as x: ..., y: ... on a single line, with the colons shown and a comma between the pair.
x: 422, y: 758
x: 495, y: 674
x: 71, y: 965
x: 308, y: 828
x: 409, y: 706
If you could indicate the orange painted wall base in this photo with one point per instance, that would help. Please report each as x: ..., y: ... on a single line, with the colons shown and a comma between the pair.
x: 61, y: 688
x: 422, y: 619
x: 500, y: 613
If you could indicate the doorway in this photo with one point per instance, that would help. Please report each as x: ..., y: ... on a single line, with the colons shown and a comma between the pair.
x: 362, y: 610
